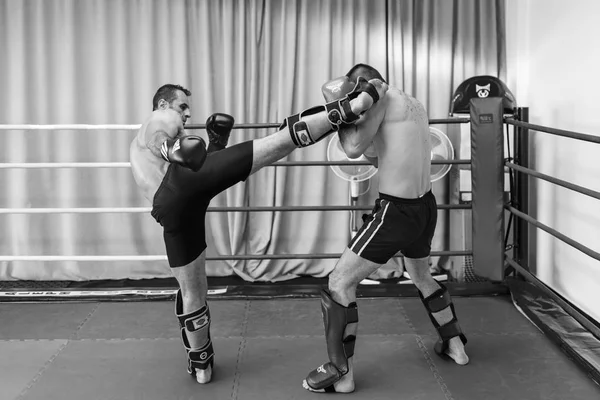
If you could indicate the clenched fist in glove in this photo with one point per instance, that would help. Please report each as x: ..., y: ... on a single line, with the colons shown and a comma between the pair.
x: 218, y: 127
x: 188, y: 151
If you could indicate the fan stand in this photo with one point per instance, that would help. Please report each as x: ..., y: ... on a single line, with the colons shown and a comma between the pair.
x: 335, y: 152
x: 354, y: 193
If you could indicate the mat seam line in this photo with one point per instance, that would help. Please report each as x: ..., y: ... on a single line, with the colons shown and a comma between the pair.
x: 49, y: 362
x: 236, y: 374
x: 436, y: 374
x: 261, y: 337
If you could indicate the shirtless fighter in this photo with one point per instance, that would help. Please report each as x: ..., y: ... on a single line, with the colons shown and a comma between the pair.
x: 394, y: 136
x: 179, y: 176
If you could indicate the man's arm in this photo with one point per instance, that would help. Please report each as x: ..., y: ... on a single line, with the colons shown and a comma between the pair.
x: 356, y: 139
x: 155, y: 142
x: 164, y: 140
x: 371, y: 155
x: 373, y: 160
x: 160, y: 129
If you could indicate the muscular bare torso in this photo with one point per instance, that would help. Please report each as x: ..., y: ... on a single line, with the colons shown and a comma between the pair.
x: 403, y: 147
x: 147, y: 166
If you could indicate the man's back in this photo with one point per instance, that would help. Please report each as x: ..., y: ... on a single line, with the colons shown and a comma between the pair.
x: 404, y: 148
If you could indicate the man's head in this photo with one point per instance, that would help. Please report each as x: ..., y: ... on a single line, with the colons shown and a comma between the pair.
x: 364, y: 70
x: 174, y: 97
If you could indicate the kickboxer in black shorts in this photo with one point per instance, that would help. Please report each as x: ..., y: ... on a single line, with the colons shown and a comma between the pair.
x: 394, y: 136
x: 179, y: 176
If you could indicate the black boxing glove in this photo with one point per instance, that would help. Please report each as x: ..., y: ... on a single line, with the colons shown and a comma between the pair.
x: 188, y: 151
x: 218, y: 127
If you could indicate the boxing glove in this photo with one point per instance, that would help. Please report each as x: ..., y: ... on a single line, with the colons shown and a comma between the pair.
x: 188, y: 151
x: 339, y: 92
x: 218, y: 128
x: 337, y: 88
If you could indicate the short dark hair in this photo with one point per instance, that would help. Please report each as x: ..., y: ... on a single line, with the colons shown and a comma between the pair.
x: 364, y: 70
x: 168, y: 92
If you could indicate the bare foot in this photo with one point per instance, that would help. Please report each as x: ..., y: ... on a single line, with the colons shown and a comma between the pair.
x: 344, y: 385
x: 456, y: 351
x: 204, y: 375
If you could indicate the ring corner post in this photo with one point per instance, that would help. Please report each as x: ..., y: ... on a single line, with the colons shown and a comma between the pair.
x: 487, y: 176
x: 522, y: 183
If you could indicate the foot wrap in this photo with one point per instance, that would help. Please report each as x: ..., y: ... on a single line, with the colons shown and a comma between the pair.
x: 339, y: 114
x: 438, y: 301
x: 195, y: 321
x: 340, y: 347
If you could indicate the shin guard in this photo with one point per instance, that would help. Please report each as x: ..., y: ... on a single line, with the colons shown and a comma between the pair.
x: 340, y: 347
x: 438, y: 301
x: 339, y: 114
x: 196, y: 321
x: 299, y: 131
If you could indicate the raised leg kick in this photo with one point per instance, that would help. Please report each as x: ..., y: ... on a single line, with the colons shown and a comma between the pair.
x: 181, y: 191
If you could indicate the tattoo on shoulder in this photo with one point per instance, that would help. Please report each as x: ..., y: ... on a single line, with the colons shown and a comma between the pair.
x: 155, y: 142
x: 415, y: 109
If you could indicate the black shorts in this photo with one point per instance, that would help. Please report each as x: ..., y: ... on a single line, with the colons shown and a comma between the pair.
x: 182, y: 198
x: 396, y: 224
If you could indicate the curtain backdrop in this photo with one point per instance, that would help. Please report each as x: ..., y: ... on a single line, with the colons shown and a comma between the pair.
x: 100, y: 62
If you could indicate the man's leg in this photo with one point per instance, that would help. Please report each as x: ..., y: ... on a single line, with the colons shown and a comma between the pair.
x: 274, y: 147
x: 418, y: 269
x: 270, y: 149
x: 192, y: 311
x: 341, y: 322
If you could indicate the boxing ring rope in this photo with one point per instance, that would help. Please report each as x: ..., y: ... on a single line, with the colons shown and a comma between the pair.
x: 522, y: 202
x: 77, y: 127
x: 128, y: 165
x: 559, y: 182
x: 559, y: 132
x: 554, y: 232
x: 455, y: 120
x: 97, y: 210
x: 54, y: 165
x: 209, y: 258
x: 68, y: 127
x: 537, y: 305
x: 118, y: 210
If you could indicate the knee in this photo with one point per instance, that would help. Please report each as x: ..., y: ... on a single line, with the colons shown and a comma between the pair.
x: 191, y: 287
x: 427, y: 286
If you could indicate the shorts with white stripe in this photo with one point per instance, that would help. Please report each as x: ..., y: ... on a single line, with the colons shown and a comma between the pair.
x: 397, y: 225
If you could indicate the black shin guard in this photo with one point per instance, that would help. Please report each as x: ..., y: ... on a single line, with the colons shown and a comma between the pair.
x: 339, y: 346
x: 195, y: 321
x: 438, y: 301
x: 299, y: 131
x: 339, y: 114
